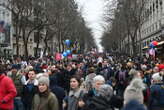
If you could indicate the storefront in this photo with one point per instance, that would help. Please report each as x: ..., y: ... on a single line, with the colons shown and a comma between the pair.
x: 159, y: 49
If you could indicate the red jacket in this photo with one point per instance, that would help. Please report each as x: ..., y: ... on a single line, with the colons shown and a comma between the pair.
x: 7, y: 92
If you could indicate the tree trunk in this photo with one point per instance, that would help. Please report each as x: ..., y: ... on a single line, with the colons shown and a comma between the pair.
x: 133, y: 46
x: 25, y: 44
x: 140, y: 42
x: 17, y: 41
x: 26, y: 50
x: 17, y: 44
x: 46, y: 46
x: 38, y: 42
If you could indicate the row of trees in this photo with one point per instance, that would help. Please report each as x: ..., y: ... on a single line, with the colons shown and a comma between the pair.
x: 124, y: 20
x: 55, y: 18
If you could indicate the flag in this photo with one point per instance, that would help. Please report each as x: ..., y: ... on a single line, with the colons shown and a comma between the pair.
x: 152, y: 52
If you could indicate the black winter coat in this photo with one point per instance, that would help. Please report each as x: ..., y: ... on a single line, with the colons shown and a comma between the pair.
x: 28, y: 95
x: 99, y: 103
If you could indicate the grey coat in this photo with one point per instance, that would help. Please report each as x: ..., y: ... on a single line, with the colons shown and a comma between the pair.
x: 73, y: 99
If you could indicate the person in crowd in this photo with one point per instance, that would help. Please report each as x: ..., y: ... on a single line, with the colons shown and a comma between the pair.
x: 156, y: 101
x: 56, y: 77
x: 107, y: 70
x: 7, y: 91
x: 89, y: 78
x: 97, y: 82
x: 74, y: 100
x: 18, y: 80
x: 45, y: 99
x: 68, y: 73
x: 156, y: 69
x: 112, y: 82
x: 55, y: 86
x: 102, y: 101
x: 29, y: 90
x: 122, y: 79
x: 134, y: 91
x: 161, y: 71
x: 134, y: 74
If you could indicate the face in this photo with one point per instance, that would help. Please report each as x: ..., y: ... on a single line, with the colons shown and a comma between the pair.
x: 105, y: 63
x: 98, y: 84
x: 69, y: 68
x: 31, y: 75
x: 162, y: 72
x: 74, y: 83
x: 53, y: 68
x: 14, y: 71
x: 42, y: 87
x: 156, y: 69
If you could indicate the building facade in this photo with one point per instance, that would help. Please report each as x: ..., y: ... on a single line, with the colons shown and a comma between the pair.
x: 5, y: 30
x: 8, y: 47
x: 153, y: 27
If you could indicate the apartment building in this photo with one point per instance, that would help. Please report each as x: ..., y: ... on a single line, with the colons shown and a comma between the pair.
x: 8, y: 45
x: 5, y: 30
x: 153, y: 27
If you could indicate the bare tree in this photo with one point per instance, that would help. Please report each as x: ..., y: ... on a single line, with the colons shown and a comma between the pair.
x: 129, y: 19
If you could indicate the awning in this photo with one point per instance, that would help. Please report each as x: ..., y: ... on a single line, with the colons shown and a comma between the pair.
x: 160, y: 43
x: 146, y: 47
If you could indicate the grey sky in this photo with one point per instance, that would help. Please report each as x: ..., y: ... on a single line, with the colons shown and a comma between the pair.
x: 92, y: 13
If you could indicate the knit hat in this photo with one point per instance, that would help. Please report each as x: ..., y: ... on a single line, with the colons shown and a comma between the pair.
x: 161, y: 66
x: 156, y: 77
x: 44, y: 80
x: 15, y: 66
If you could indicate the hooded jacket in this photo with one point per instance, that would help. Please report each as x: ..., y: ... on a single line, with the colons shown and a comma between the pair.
x: 7, y: 92
x: 134, y: 91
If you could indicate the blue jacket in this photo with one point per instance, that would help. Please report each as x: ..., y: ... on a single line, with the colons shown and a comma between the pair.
x: 156, y: 95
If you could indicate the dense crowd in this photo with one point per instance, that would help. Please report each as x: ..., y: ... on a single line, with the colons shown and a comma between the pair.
x: 89, y: 82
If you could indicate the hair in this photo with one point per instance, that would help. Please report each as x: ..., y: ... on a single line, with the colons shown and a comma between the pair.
x: 91, y: 70
x: 106, y: 91
x: 78, y: 78
x: 98, y: 78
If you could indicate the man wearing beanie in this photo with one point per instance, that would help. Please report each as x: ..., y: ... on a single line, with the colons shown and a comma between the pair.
x: 7, y: 91
x: 44, y: 100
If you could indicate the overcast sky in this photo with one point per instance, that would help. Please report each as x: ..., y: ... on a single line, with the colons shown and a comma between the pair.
x: 92, y: 13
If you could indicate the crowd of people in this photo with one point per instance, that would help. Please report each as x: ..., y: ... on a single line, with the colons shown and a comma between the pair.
x: 89, y: 82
